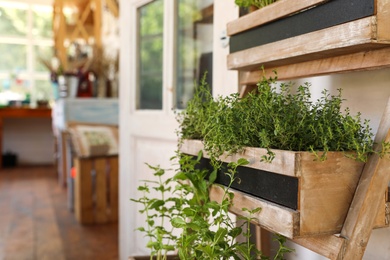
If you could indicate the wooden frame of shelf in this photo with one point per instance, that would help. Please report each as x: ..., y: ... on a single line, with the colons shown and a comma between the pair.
x: 324, y: 193
x: 87, y: 25
x: 370, y: 33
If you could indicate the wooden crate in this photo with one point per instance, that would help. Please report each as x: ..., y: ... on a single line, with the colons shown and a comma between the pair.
x: 322, y: 191
x: 96, y: 189
x: 290, y: 32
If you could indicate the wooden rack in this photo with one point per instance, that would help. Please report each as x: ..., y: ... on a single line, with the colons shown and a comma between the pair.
x: 362, y: 43
x: 86, y: 25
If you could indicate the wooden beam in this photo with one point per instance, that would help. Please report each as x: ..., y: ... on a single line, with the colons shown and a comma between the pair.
x: 80, y: 30
x: 272, y: 217
x: 368, y: 197
x: 97, y: 23
x: 364, y: 60
x: 325, y: 245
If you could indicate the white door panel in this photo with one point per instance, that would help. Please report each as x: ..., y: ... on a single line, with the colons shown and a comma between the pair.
x: 149, y: 135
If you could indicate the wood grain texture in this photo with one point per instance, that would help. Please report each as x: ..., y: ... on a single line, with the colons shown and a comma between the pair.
x: 283, y: 163
x: 114, y: 183
x: 383, y: 20
x: 287, y: 163
x: 100, y: 165
x: 326, y: 191
x: 364, y: 60
x: 269, y: 13
x: 84, y: 209
x: 338, y: 40
x: 271, y: 217
x: 374, y: 181
x: 325, y: 245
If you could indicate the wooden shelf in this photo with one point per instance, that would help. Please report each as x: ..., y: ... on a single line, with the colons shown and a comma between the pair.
x: 310, y: 38
x: 323, y: 194
x: 367, y: 30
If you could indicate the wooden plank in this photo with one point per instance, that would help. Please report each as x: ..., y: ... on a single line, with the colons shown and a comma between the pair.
x: 374, y: 181
x: 382, y: 216
x: 283, y: 163
x: 326, y: 192
x: 83, y: 191
x: 364, y: 60
x: 272, y: 217
x: 325, y: 245
x: 263, y: 240
x: 101, y: 190
x: 97, y: 23
x: 246, y: 89
x: 383, y: 19
x: 338, y: 40
x: 64, y: 158
x: 114, y: 183
x: 269, y: 13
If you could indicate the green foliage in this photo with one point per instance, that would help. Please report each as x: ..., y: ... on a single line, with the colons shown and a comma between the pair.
x: 276, y: 118
x: 198, y: 227
x: 257, y: 3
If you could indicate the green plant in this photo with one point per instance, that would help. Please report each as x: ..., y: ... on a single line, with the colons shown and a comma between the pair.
x: 256, y: 3
x: 198, y: 228
x: 275, y: 117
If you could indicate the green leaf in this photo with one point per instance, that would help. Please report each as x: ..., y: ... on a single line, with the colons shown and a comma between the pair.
x: 213, y: 176
x: 220, y: 235
x: 242, y: 162
x: 178, y: 222
x: 156, y: 204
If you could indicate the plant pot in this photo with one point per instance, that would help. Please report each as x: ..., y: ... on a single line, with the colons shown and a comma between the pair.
x: 288, y: 32
x: 299, y: 196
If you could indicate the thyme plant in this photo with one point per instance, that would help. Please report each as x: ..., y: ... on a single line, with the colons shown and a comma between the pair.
x: 256, y: 3
x: 275, y: 117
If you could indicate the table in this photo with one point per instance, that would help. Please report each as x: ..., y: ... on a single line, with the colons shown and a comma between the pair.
x: 20, y: 112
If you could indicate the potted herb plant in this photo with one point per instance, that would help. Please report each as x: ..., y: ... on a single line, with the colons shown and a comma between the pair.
x: 185, y: 222
x: 305, y: 158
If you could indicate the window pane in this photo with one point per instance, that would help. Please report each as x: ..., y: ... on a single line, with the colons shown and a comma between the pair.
x: 13, y: 21
x: 42, y: 53
x: 43, y: 22
x: 150, y: 21
x: 43, y: 90
x: 13, y: 57
x: 194, y: 47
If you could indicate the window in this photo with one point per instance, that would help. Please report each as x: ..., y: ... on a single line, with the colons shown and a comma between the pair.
x: 194, y: 47
x: 150, y: 67
x: 192, y: 36
x: 25, y: 39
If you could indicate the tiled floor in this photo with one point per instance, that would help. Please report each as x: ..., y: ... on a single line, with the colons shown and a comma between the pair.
x: 35, y: 222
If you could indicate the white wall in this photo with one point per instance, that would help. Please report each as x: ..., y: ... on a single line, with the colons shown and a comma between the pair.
x: 366, y: 92
x: 31, y: 139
